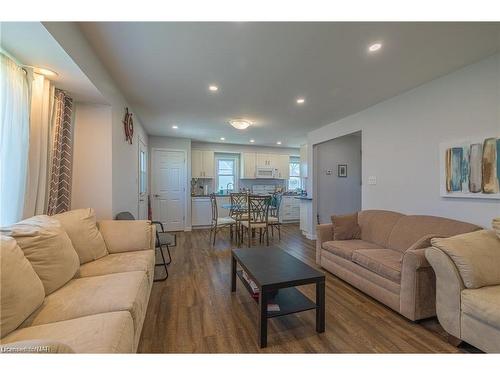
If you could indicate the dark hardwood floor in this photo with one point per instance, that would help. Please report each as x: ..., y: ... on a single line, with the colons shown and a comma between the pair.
x: 194, y: 311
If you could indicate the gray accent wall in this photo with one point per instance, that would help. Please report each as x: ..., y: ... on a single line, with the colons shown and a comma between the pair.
x: 338, y: 195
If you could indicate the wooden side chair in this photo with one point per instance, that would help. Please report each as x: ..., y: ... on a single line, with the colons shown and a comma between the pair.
x: 162, y: 239
x: 258, y: 214
x: 274, y: 214
x: 219, y: 223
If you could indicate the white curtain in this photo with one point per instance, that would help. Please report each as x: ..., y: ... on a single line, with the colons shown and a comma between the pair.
x: 41, y: 134
x: 14, y: 139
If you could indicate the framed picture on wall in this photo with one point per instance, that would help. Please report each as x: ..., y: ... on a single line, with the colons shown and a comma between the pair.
x: 342, y: 170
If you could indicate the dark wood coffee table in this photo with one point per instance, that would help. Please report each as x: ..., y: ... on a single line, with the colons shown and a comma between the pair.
x: 277, y: 273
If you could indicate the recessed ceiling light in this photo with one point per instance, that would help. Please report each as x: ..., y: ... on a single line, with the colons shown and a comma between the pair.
x: 213, y: 88
x: 222, y: 138
x: 45, y: 72
x: 252, y: 140
x: 301, y: 101
x: 375, y: 47
x: 278, y: 143
x: 240, y: 124
x: 175, y: 127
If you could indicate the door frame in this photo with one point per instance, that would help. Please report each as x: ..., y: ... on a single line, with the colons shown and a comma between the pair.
x: 140, y: 141
x: 153, y: 180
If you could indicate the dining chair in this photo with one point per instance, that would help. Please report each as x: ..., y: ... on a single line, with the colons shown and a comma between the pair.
x: 162, y: 239
x: 239, y: 209
x: 274, y: 214
x: 219, y: 222
x: 258, y: 214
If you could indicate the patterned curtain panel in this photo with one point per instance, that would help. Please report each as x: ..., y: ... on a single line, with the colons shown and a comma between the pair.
x: 62, y: 155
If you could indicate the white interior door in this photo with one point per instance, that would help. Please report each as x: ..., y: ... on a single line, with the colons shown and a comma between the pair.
x: 169, y: 188
x: 143, y: 181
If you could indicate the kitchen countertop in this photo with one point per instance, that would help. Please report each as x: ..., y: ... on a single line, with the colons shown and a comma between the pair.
x: 304, y: 198
x: 227, y: 195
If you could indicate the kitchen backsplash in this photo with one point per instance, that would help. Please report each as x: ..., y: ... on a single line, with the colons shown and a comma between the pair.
x: 205, y: 186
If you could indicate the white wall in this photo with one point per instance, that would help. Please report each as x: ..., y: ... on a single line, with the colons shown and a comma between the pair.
x: 125, y: 164
x: 338, y: 195
x: 92, y: 164
x: 183, y: 144
x: 401, y: 139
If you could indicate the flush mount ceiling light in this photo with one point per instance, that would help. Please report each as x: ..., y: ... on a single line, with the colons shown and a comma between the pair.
x: 175, y: 127
x: 252, y: 140
x: 213, y: 88
x: 375, y: 47
x: 239, y: 124
x: 278, y: 143
x: 222, y: 138
x: 45, y: 72
x: 301, y: 101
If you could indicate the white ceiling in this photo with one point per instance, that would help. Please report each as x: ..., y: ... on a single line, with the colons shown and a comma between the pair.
x: 31, y: 44
x: 164, y: 69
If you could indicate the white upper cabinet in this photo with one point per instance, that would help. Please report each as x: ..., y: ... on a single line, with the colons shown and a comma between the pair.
x: 208, y: 162
x: 202, y: 164
x: 263, y: 160
x: 303, y: 161
x: 283, y: 165
x: 248, y: 162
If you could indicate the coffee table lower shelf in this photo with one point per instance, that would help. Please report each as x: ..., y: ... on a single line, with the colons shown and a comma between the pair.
x: 290, y: 300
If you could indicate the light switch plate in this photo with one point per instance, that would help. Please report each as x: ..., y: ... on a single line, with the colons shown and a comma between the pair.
x: 372, y: 180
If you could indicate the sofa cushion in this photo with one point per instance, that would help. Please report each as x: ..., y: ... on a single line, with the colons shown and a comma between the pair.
x: 111, y: 332
x: 126, y: 235
x: 49, y: 250
x: 384, y: 262
x: 21, y: 290
x: 81, y: 227
x: 483, y: 304
x: 345, y: 227
x: 345, y: 248
x: 476, y: 256
x: 121, y: 262
x: 127, y: 291
x: 409, y: 229
x: 377, y: 225
x: 495, y: 224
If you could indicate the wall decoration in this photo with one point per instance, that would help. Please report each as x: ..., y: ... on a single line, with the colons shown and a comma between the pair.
x: 470, y: 168
x: 128, y: 124
x: 342, y: 170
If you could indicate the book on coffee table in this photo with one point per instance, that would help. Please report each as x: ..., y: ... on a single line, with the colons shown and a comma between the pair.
x: 273, y: 307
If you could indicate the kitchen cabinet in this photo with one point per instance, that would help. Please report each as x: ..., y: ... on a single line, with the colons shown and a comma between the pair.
x: 290, y: 209
x: 275, y: 161
x: 201, y: 211
x: 264, y: 160
x: 202, y: 164
x: 248, y: 163
x: 303, y: 161
x: 282, y: 164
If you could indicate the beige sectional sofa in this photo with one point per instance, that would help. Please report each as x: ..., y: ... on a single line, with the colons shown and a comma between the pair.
x: 387, y: 260
x: 467, y: 271
x: 69, y: 284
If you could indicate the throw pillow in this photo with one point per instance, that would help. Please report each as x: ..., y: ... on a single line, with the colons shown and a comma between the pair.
x: 21, y: 290
x: 81, y: 227
x: 345, y: 227
x: 49, y: 250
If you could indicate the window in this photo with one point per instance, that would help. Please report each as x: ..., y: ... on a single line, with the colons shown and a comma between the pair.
x: 294, y: 181
x: 226, y: 173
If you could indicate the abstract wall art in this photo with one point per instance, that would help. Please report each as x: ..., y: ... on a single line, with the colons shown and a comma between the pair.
x: 471, y: 168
